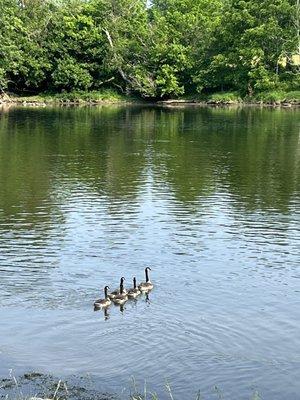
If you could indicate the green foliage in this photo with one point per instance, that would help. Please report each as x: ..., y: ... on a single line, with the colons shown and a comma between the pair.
x: 70, y: 75
x: 3, y: 82
x: 171, y: 48
x: 225, y: 97
x: 23, y: 31
x: 92, y: 96
x: 271, y: 96
x: 10, y: 55
x: 263, y: 79
x: 167, y: 81
x: 78, y: 96
x: 293, y: 96
x: 249, y: 40
x: 279, y: 96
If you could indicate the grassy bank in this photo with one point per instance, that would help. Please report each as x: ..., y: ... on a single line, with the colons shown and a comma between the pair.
x: 75, y: 97
x: 109, y: 96
x: 267, y: 98
x: 279, y: 97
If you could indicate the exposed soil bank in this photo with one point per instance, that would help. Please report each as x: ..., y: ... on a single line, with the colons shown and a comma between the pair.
x: 37, y: 386
x: 228, y: 103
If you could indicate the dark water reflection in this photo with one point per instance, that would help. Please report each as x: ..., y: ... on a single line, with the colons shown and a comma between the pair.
x: 208, y: 197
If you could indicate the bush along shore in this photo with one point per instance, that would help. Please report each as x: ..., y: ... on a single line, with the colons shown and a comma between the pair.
x: 109, y: 96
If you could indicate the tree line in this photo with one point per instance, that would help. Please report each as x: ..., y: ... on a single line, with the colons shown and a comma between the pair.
x: 154, y: 50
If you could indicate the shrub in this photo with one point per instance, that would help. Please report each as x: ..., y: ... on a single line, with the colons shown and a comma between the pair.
x: 93, y: 96
x: 293, y: 96
x: 225, y: 97
x: 271, y: 96
x: 69, y: 74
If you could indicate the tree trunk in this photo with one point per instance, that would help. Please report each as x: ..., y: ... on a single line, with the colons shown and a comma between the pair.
x: 121, y: 72
x: 297, y: 24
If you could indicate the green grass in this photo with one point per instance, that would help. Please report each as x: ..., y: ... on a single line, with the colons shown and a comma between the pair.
x: 40, y: 98
x: 293, y: 96
x: 270, y: 97
x: 218, y: 97
x: 145, y: 394
x: 225, y: 97
x: 106, y: 95
x: 78, y: 97
x: 279, y: 96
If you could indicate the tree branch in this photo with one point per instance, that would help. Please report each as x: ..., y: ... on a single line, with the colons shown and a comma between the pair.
x: 121, y: 72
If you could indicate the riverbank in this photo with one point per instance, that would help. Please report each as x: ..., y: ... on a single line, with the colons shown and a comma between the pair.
x: 108, y: 96
x: 273, y: 98
x: 38, y: 386
x: 67, y: 98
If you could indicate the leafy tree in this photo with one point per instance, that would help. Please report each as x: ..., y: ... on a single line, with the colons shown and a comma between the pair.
x: 75, y: 44
x: 10, y: 55
x: 182, y: 30
x: 250, y: 39
x: 24, y: 31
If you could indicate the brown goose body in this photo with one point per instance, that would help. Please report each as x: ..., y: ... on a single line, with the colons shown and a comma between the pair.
x: 102, y: 303
x: 135, y: 291
x: 148, y: 285
x: 117, y: 292
x: 121, y: 297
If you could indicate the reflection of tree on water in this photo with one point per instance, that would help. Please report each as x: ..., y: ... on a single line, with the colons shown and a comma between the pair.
x: 254, y: 153
x: 250, y: 152
x: 108, y: 162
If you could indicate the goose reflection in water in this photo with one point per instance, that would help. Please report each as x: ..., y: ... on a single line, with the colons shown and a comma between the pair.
x: 106, y: 314
x: 105, y: 311
x: 134, y: 303
x: 147, y: 299
x: 122, y: 308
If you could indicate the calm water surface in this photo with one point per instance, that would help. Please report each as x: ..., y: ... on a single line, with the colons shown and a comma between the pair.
x: 209, y: 198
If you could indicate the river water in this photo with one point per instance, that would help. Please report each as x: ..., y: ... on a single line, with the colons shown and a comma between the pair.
x: 209, y: 198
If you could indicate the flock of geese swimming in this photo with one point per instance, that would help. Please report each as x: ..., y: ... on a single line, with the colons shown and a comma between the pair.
x: 121, y: 295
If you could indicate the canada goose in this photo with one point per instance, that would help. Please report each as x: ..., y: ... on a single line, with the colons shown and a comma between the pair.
x: 101, y: 303
x: 115, y: 293
x: 121, y: 297
x: 145, y: 286
x: 133, y: 292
